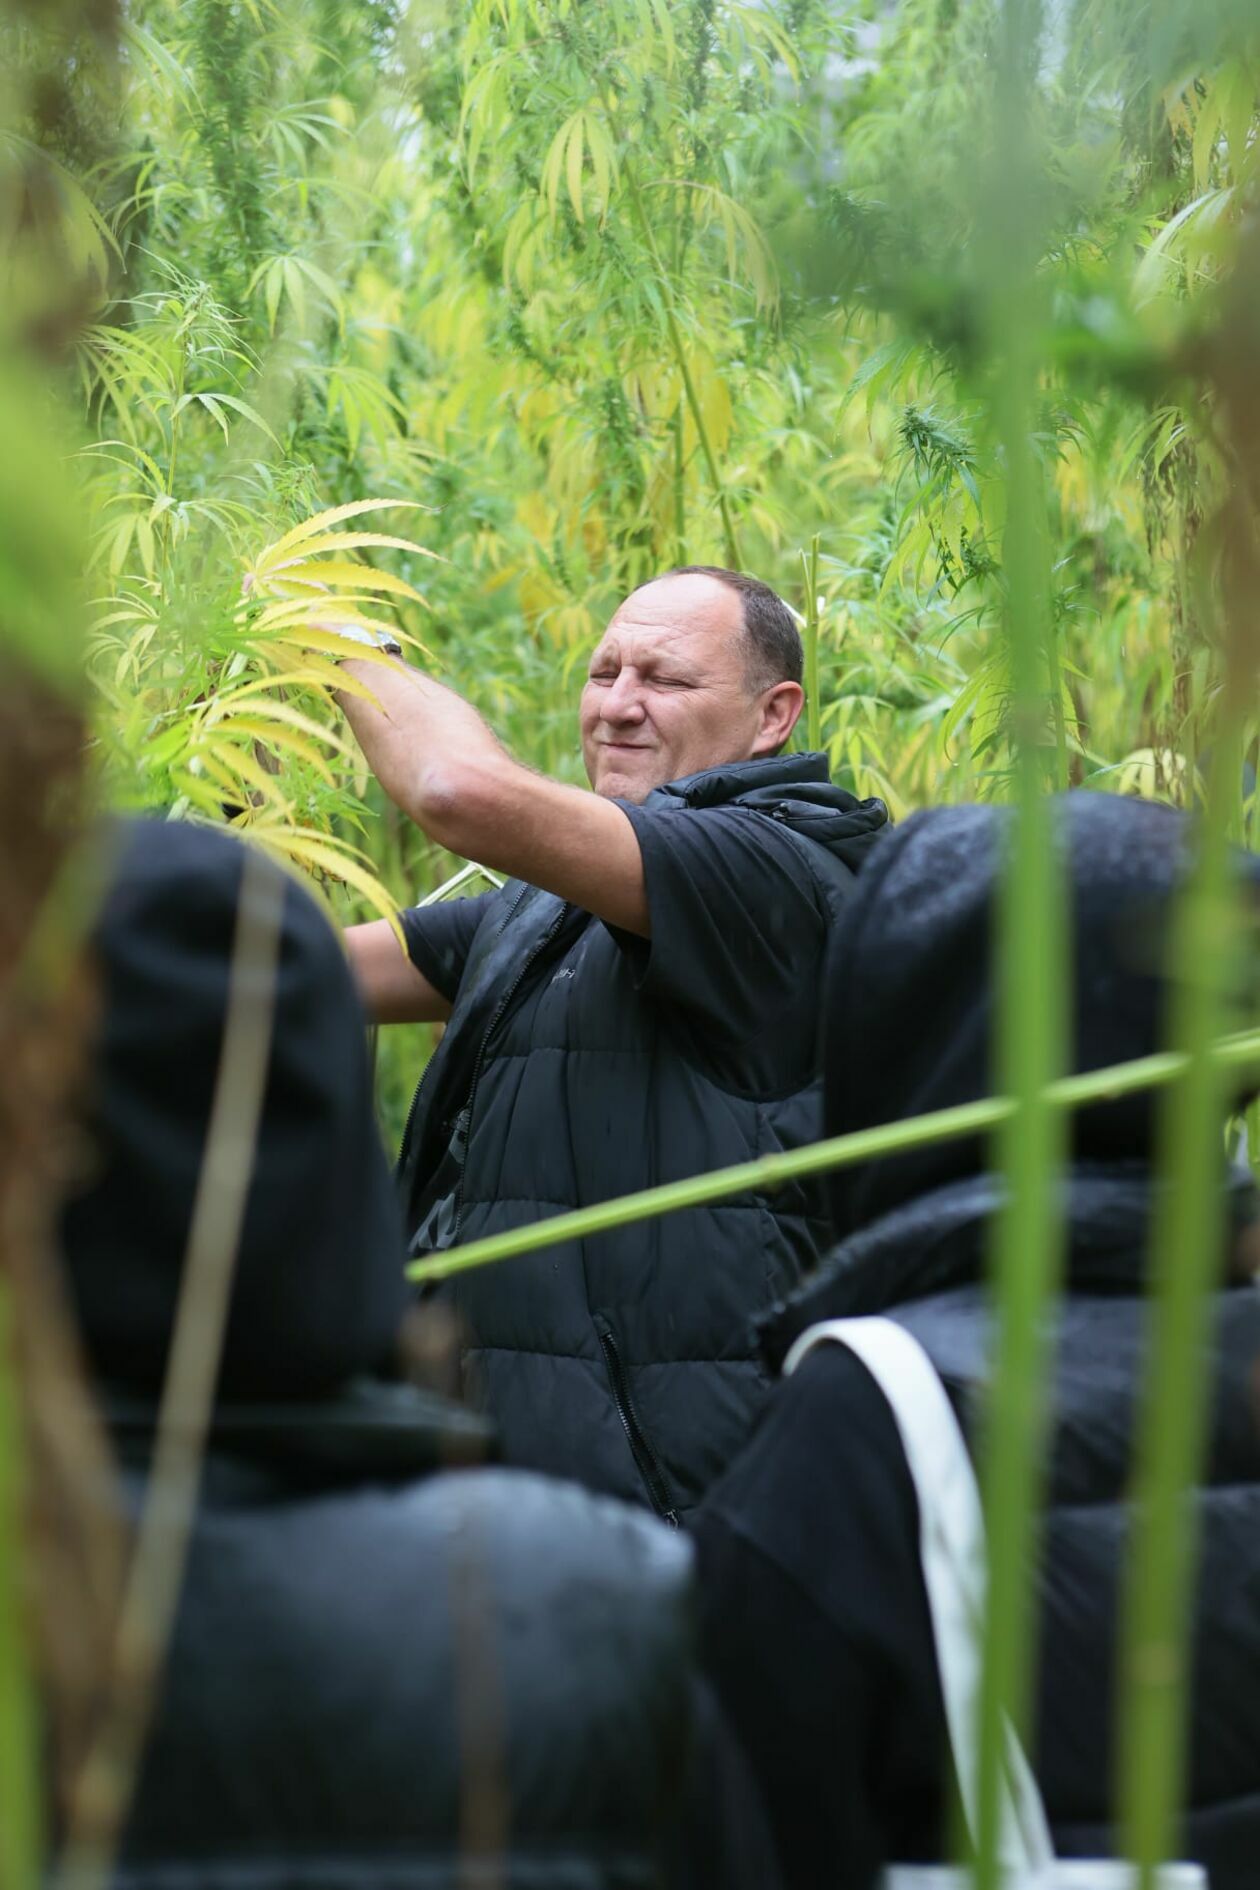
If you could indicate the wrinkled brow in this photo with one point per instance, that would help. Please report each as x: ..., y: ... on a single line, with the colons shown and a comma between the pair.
x: 644, y: 656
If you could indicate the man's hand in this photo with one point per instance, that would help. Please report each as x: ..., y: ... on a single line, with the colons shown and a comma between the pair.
x: 439, y: 763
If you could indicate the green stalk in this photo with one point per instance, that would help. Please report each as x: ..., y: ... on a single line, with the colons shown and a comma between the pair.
x: 1236, y: 1053
x: 729, y: 535
x: 109, y: 1770
x: 813, y: 706
x: 680, y: 489
x: 1054, y: 674
x: 1173, y: 1418
x: 21, y: 1791
x: 1026, y: 1260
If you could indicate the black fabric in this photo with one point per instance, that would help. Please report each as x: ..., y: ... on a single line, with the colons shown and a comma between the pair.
x: 317, y: 1293
x: 815, y: 1628
x: 409, y: 1684
x: 379, y: 1677
x: 439, y: 938
x: 792, y: 1536
x: 936, y: 1243
x: 913, y: 1033
x: 371, y: 1429
x: 580, y: 1064
x: 735, y: 919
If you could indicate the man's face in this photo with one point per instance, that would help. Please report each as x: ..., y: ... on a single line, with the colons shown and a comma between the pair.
x: 668, y: 693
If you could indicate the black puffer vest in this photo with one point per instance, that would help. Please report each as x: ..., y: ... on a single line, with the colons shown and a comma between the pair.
x: 625, y: 1361
x: 382, y: 1679
x: 921, y: 1265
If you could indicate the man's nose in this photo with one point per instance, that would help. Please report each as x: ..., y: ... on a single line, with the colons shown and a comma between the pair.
x: 624, y: 700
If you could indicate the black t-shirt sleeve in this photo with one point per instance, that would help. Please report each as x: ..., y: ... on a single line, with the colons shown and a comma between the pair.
x: 439, y: 938
x: 739, y: 923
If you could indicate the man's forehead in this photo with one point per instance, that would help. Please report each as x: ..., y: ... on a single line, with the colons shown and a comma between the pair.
x: 626, y: 630
x: 674, y: 612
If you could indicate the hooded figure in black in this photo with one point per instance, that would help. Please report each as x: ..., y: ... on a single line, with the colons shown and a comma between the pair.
x: 379, y: 1677
x: 816, y: 1626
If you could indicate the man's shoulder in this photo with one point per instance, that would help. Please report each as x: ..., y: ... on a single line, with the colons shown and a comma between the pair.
x: 787, y: 808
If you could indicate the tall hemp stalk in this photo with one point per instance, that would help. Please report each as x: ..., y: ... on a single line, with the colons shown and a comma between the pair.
x: 1190, y: 1228
x: 50, y: 1602
x: 21, y: 1785
x: 813, y: 702
x: 107, y: 1779
x: 1237, y: 1055
x: 1030, y: 962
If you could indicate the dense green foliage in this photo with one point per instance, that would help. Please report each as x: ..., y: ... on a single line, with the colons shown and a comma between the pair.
x: 610, y: 288
x: 606, y: 288
x: 474, y: 316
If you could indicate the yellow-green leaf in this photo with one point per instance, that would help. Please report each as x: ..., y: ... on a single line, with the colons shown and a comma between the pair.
x: 573, y: 165
x: 321, y: 521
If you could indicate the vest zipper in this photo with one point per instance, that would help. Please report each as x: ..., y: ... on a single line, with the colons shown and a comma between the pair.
x: 499, y: 1009
x: 404, y: 1147
x: 645, y: 1459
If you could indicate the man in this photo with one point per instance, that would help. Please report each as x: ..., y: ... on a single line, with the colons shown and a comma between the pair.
x: 637, y: 1005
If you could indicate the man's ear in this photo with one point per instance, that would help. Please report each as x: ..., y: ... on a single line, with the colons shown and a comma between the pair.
x: 780, y: 708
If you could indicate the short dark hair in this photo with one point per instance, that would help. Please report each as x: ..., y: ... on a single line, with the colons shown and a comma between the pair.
x: 772, y: 640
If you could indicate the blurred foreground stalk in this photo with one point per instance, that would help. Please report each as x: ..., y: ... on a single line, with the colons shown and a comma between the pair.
x: 21, y: 1785
x: 1030, y: 964
x: 1238, y: 1053
x: 104, y: 1788
x: 1188, y: 1238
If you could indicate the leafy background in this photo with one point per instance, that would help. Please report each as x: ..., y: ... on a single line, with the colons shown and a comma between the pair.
x: 533, y: 299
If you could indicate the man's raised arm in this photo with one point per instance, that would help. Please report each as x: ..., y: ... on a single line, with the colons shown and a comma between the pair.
x: 392, y: 988
x: 439, y: 763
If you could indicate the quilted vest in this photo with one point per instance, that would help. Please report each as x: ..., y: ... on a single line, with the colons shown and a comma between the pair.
x: 627, y: 1360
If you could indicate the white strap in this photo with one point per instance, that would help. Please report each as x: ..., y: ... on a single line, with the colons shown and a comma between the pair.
x: 951, y: 1531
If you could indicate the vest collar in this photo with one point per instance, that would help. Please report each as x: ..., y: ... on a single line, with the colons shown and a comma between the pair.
x: 714, y: 786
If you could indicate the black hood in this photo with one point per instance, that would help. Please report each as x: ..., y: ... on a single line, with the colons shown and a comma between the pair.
x: 910, y: 987
x: 795, y: 789
x: 319, y: 1292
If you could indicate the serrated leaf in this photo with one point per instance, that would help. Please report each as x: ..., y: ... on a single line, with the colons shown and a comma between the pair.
x: 573, y: 164
x: 1237, y: 94
x: 238, y: 768
x: 323, y: 636
x: 603, y: 160
x: 1206, y: 128
x: 288, y: 741
x: 337, y: 574
x: 198, y: 793
x: 320, y: 521
x: 295, y: 289
x: 314, y: 670
x: 265, y: 713
x: 549, y: 184
x: 354, y: 541
x: 317, y: 850
x: 272, y: 292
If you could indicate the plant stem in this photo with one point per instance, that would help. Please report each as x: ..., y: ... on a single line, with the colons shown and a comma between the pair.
x: 813, y: 706
x: 1159, y: 1571
x: 729, y: 535
x: 1031, y: 969
x: 20, y: 1783
x: 103, y: 1788
x: 680, y: 488
x: 1238, y: 1052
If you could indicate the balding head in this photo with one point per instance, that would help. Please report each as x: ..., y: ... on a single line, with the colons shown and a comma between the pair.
x: 678, y: 684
